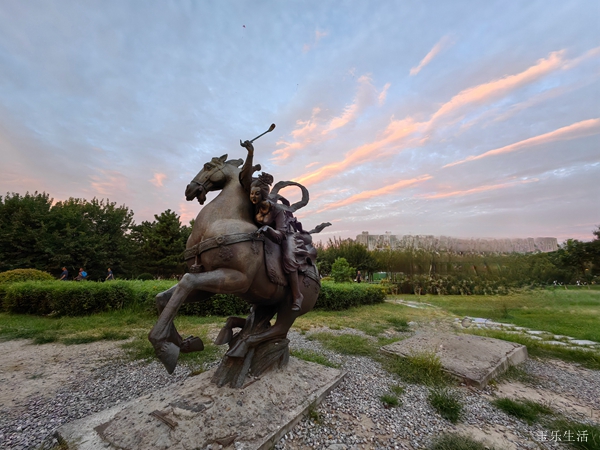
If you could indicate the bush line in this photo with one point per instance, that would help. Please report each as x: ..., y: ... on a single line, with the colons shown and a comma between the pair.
x: 82, y: 298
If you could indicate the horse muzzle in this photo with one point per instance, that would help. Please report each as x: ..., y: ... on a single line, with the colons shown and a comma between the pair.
x: 195, y: 190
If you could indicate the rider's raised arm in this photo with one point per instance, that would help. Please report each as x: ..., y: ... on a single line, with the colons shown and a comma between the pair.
x: 248, y: 169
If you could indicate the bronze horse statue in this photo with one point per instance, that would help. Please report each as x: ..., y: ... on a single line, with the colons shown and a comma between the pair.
x: 226, y: 255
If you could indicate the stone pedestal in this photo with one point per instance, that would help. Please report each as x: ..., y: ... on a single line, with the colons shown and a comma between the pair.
x: 197, y: 413
x: 473, y: 359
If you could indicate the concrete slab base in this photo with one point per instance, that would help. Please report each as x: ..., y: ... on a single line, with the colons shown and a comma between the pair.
x: 473, y: 359
x: 196, y: 414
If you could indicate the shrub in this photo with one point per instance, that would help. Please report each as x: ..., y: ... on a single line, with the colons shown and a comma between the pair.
x: 145, y: 276
x: 336, y: 297
x: 74, y: 299
x: 13, y: 276
x: 341, y: 272
x: 217, y: 305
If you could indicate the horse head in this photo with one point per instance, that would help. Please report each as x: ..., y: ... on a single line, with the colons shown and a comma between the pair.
x: 213, y: 177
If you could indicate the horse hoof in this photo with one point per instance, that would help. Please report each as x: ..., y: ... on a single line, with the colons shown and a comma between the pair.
x: 168, y: 355
x: 192, y: 344
x: 239, y: 350
x: 224, y: 336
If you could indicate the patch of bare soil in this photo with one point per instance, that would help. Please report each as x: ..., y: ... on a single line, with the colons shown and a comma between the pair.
x: 40, y: 370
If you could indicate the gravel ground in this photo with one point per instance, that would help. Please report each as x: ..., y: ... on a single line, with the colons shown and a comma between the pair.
x: 351, y: 417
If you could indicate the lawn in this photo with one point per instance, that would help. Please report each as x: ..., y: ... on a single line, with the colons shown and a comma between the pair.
x: 571, y: 312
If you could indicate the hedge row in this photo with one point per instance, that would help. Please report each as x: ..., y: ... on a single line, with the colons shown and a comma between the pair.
x: 446, y: 285
x: 339, y: 296
x: 86, y: 297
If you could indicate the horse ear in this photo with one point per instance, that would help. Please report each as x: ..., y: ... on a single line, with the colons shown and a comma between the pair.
x: 223, y: 158
x: 236, y: 162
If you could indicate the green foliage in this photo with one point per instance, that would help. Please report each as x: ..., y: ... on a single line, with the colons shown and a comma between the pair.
x: 418, y: 368
x: 336, y: 297
x: 341, y: 272
x: 217, y: 305
x: 452, y: 441
x: 390, y: 400
x: 526, y: 410
x: 566, y: 427
x: 75, y: 233
x: 315, y: 357
x: 160, y: 244
x: 355, y: 254
x: 12, y: 276
x: 145, y: 276
x: 446, y: 403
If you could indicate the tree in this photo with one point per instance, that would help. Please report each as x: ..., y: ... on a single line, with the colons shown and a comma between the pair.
x: 160, y: 245
x: 23, y: 231
x: 341, y: 271
x: 74, y: 233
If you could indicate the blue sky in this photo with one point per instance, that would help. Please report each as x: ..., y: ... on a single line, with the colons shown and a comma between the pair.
x: 463, y: 118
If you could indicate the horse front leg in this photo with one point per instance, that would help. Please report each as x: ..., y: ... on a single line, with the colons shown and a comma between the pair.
x: 162, y: 335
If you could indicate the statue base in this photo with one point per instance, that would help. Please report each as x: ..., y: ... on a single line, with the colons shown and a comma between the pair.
x: 198, y: 413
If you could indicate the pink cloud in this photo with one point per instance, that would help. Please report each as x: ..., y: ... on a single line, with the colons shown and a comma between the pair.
x: 108, y: 182
x: 158, y: 179
x: 365, y: 195
x: 486, y: 91
x: 491, y: 187
x: 574, y: 131
x: 383, y: 94
x: 317, y: 37
x: 400, y: 134
x: 439, y: 46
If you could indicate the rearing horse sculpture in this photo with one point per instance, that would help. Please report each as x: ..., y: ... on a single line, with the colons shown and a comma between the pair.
x: 227, y: 256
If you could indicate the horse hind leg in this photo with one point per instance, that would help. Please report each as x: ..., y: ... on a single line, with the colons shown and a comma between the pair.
x: 226, y: 333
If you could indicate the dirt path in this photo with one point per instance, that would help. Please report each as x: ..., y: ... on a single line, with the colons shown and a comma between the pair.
x: 40, y: 370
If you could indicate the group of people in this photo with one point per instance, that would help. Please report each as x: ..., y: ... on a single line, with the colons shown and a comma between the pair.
x: 82, y: 275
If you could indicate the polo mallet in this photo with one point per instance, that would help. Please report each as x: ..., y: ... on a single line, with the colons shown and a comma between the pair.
x: 271, y: 128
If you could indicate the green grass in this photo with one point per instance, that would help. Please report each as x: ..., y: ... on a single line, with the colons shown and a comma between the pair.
x: 399, y: 324
x: 347, y: 344
x: 453, y: 441
x: 573, y: 312
x: 371, y: 319
x: 526, y: 410
x: 397, y: 389
x: 515, y: 373
x: 446, y: 403
x: 390, y: 400
x: 589, y: 435
x: 418, y: 368
x: 539, y: 349
x: 315, y: 357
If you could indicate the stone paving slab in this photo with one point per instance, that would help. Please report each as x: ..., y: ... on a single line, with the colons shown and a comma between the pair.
x: 473, y: 359
x: 196, y: 413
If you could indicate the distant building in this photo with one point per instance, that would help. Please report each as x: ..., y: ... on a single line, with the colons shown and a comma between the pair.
x: 456, y: 245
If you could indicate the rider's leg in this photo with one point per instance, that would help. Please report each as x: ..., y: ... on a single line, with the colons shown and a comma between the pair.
x: 295, y: 286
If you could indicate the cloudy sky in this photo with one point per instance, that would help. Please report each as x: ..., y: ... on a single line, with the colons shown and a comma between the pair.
x: 459, y: 118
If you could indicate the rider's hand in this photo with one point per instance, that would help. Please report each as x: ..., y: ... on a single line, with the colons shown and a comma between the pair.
x: 248, y: 145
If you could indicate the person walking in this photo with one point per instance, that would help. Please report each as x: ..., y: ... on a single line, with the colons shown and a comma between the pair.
x: 64, y: 276
x: 110, y: 275
x: 358, y: 277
